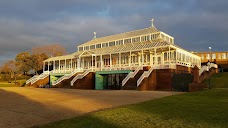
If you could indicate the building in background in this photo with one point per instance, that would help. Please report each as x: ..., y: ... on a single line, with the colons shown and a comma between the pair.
x: 220, y: 58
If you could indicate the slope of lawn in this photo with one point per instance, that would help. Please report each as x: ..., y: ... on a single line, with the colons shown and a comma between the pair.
x: 204, y: 109
x: 219, y: 80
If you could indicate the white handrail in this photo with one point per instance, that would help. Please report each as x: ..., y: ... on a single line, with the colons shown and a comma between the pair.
x: 41, y: 76
x: 66, y: 76
x: 144, y: 75
x: 31, y: 79
x: 203, y: 68
x: 129, y: 75
x: 80, y: 76
x: 206, y: 68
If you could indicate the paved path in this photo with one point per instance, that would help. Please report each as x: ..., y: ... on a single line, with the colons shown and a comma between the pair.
x: 25, y: 107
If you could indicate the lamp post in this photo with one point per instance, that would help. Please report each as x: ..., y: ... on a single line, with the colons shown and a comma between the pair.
x: 210, y: 67
x: 210, y: 54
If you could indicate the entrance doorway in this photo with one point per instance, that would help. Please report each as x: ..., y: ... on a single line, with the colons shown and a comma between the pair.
x: 113, y: 81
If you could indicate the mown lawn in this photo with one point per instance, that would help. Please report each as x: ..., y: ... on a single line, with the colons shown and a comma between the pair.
x: 204, y: 109
x: 6, y: 84
x: 219, y: 80
x: 12, y: 84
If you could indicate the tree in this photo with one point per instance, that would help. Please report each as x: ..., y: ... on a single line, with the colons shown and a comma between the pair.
x: 23, y: 62
x: 36, y: 61
x: 9, y: 69
x: 51, y: 50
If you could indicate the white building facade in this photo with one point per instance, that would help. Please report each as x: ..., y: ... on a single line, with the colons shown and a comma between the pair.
x: 125, y: 51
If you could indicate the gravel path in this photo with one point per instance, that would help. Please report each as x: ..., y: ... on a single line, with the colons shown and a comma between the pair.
x: 25, y: 107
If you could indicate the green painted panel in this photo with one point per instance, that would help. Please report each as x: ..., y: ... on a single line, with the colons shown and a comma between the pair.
x: 99, y: 79
x: 113, y: 72
x: 54, y: 78
x: 99, y: 82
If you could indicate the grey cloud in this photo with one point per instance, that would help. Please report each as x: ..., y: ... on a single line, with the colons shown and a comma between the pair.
x: 195, y: 24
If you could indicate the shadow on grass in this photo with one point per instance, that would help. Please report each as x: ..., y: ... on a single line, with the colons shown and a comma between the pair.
x: 200, y: 109
x: 19, y: 111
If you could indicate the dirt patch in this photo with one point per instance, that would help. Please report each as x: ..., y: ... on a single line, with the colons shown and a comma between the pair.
x: 25, y: 107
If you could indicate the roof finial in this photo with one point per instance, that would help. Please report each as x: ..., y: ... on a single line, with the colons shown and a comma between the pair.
x: 95, y: 35
x: 152, y: 22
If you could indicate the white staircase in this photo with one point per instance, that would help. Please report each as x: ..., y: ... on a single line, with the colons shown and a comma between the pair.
x: 35, y: 78
x: 80, y: 76
x: 66, y: 76
x: 206, y: 68
x: 144, y: 75
x: 203, y: 68
x: 129, y: 75
x: 31, y: 79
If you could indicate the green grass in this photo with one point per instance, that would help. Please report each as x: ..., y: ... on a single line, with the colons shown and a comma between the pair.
x: 12, y: 84
x: 219, y: 80
x: 208, y: 108
x: 6, y: 84
x: 204, y: 109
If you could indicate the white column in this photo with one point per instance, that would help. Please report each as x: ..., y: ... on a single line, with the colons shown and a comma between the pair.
x: 54, y: 66
x: 71, y: 65
x: 155, y: 58
x: 75, y: 64
x: 101, y: 61
x: 169, y: 55
x: 59, y: 66
x: 129, y: 60
x: 119, y: 59
x: 43, y: 66
x: 151, y: 59
x: 176, y: 57
x: 65, y: 66
x: 48, y: 67
x: 163, y: 58
x: 95, y: 63
x: 92, y: 62
x: 110, y: 61
x: 142, y: 58
x: 78, y: 63
x: 146, y: 57
x: 139, y: 58
x: 83, y: 62
x: 181, y: 60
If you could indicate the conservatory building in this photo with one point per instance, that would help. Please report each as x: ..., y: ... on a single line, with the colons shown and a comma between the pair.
x: 141, y: 59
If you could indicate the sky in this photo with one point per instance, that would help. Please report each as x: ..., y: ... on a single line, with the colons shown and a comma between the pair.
x: 195, y: 24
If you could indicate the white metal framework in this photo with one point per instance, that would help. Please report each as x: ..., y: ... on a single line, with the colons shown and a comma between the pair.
x: 129, y: 50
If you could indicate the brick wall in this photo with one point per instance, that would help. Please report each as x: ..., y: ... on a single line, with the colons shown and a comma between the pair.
x: 88, y: 82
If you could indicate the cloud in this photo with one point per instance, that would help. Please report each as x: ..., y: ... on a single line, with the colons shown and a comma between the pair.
x: 195, y: 24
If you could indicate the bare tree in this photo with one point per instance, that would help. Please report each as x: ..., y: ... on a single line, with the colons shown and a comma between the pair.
x: 9, y: 69
x: 51, y: 50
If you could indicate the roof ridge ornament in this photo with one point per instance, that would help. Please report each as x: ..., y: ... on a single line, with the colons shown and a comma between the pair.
x: 152, y: 23
x: 95, y: 35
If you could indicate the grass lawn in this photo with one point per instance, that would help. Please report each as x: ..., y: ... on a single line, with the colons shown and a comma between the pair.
x: 6, y: 84
x: 203, y: 109
x: 219, y: 80
x: 208, y: 108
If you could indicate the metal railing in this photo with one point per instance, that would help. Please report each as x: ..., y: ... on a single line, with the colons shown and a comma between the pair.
x: 40, y: 77
x: 80, y: 76
x: 206, y: 68
x: 31, y: 79
x: 144, y: 75
x: 66, y: 76
x: 130, y: 75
